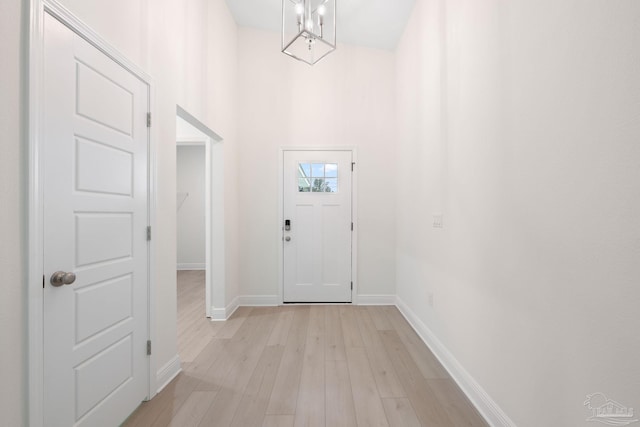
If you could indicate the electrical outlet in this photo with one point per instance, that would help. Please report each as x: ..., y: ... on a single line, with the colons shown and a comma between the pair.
x: 430, y: 299
x: 437, y: 220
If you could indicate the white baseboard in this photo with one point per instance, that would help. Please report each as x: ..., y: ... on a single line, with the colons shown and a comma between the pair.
x: 232, y: 307
x: 376, y: 300
x: 168, y: 372
x: 487, y: 407
x: 219, y: 314
x: 191, y: 266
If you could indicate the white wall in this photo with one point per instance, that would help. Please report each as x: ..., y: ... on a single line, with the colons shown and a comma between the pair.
x: 190, y: 51
x: 130, y: 37
x: 12, y: 198
x: 347, y: 99
x: 520, y: 122
x: 191, y: 179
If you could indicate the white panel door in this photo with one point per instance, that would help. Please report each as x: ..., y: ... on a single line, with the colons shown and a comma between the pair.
x: 317, y: 226
x: 95, y: 217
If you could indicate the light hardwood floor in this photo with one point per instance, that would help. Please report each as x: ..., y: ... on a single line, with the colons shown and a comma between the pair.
x: 302, y: 366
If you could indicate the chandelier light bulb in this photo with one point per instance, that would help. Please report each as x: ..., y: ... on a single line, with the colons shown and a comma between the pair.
x: 308, y: 29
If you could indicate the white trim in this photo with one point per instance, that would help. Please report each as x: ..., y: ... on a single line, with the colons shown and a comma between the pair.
x: 218, y: 314
x: 182, y: 266
x: 376, y: 300
x: 487, y: 407
x: 280, y: 226
x: 354, y: 214
x: 232, y: 307
x: 168, y: 372
x: 193, y: 121
x: 355, y: 298
x: 215, y: 278
x: 35, y: 374
x: 191, y: 142
x: 37, y: 10
x: 216, y: 265
x: 61, y: 13
x: 154, y: 135
x: 221, y: 314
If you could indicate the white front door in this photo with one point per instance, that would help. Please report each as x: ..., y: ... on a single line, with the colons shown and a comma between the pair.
x: 317, y: 226
x: 95, y: 182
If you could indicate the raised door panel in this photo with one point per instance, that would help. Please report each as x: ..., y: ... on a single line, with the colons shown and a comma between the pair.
x: 317, y: 248
x: 96, y: 209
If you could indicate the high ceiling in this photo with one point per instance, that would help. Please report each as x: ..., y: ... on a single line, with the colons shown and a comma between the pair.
x: 370, y: 23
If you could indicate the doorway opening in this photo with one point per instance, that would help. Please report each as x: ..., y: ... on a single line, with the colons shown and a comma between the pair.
x: 200, y: 207
x: 190, y: 204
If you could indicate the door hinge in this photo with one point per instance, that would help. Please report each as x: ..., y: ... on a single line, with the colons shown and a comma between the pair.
x: 148, y: 233
x: 148, y: 120
x: 149, y: 348
x: 351, y: 226
x: 352, y: 165
x: 351, y: 285
x: 43, y: 281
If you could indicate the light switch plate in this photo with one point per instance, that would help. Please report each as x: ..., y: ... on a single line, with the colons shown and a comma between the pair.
x: 437, y: 220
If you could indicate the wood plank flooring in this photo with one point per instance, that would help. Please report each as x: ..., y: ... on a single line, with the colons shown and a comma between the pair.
x: 295, y: 366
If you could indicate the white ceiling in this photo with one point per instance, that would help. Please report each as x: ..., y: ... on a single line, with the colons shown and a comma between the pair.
x: 370, y: 23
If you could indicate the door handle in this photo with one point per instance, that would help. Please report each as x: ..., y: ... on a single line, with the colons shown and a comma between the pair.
x: 60, y: 278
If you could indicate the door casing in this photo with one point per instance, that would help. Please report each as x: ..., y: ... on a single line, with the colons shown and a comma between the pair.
x: 214, y: 213
x: 354, y: 214
x: 35, y: 232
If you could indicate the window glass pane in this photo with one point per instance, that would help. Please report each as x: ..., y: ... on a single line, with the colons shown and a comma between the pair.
x: 318, y: 185
x: 304, y: 170
x: 317, y: 177
x: 331, y: 170
x: 331, y: 184
x: 317, y: 170
x: 304, y: 185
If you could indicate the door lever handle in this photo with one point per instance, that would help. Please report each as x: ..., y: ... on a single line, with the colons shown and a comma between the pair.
x: 60, y: 278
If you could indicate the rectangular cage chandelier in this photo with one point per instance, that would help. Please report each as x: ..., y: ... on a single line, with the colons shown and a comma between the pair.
x: 308, y: 29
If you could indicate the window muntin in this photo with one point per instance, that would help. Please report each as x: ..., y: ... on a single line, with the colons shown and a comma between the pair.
x: 317, y: 177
